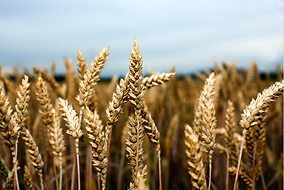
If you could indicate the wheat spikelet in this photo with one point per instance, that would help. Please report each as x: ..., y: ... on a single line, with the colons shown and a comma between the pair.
x: 195, y: 163
x: 56, y: 87
x: 33, y: 151
x: 28, y: 179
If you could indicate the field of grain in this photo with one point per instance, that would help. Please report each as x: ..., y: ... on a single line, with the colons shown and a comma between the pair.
x: 220, y: 129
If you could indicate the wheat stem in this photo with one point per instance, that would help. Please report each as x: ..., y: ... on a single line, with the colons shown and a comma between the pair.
x: 227, y: 173
x: 55, y: 173
x: 160, y: 169
x: 239, y: 161
x: 15, y: 165
x: 210, y: 174
x: 78, y: 165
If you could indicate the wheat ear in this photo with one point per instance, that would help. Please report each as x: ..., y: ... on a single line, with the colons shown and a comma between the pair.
x: 10, y: 130
x: 115, y: 108
x: 245, y: 179
x: 9, y: 183
x: 256, y: 111
x: 231, y: 145
x: 21, y: 113
x: 34, y: 154
x: 72, y: 122
x: 96, y: 136
x: 134, y: 144
x: 230, y: 127
x: 82, y: 66
x: 51, y: 81
x: 136, y: 98
x: 157, y: 79
x: 90, y: 78
x: 194, y: 155
x: 205, y: 120
x: 49, y: 119
x: 28, y: 179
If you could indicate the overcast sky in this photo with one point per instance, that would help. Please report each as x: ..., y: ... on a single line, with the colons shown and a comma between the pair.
x: 190, y: 35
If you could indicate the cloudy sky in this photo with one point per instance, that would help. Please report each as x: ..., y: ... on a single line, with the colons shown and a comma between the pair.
x: 190, y: 35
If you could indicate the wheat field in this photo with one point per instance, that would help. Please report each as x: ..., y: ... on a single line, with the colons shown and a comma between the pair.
x: 220, y: 129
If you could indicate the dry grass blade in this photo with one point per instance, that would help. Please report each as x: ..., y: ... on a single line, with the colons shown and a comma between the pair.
x: 194, y: 156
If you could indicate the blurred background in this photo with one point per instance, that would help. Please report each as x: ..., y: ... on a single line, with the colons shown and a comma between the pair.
x: 190, y: 35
